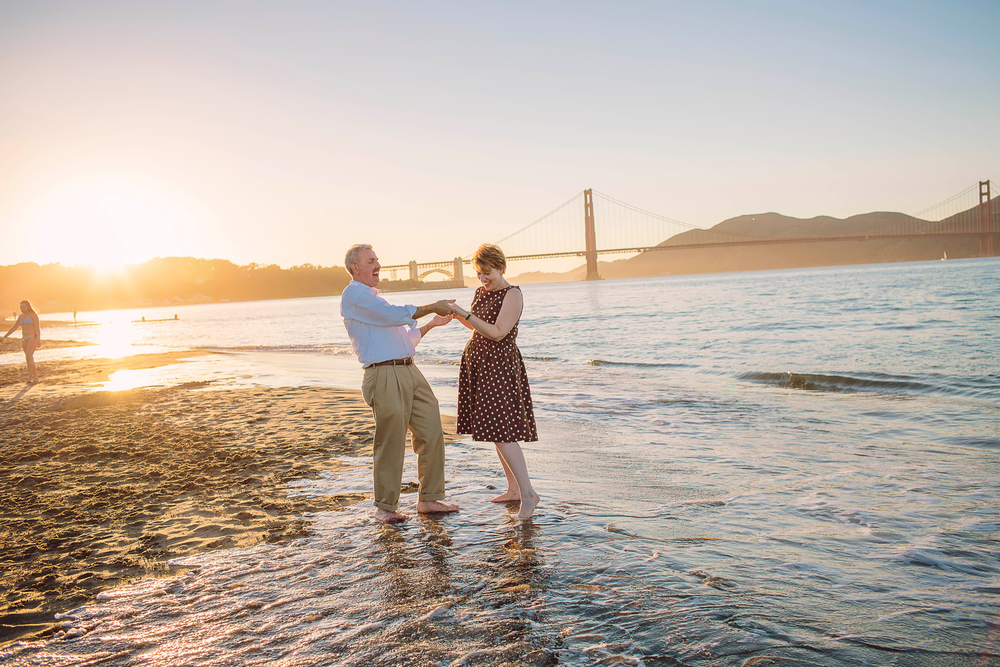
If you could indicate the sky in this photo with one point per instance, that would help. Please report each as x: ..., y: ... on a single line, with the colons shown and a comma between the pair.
x: 281, y: 133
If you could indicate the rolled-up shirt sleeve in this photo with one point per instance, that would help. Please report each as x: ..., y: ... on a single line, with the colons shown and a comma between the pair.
x: 368, y: 308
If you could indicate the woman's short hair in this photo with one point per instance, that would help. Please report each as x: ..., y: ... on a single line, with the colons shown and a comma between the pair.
x: 489, y: 256
x: 352, y: 255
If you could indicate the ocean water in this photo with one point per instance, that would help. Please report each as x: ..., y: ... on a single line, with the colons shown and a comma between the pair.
x: 790, y: 467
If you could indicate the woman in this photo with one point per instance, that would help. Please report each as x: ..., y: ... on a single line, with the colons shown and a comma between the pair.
x: 31, y: 337
x: 494, y: 401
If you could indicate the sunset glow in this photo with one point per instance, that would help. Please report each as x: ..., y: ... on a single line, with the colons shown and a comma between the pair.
x: 104, y: 222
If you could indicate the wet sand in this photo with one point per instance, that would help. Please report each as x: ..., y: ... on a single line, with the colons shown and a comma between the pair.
x: 98, y: 488
x: 13, y: 344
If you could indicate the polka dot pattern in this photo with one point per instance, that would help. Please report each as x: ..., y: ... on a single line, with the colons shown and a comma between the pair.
x: 494, y: 401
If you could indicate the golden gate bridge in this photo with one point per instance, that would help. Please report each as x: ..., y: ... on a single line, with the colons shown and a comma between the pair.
x: 610, y: 226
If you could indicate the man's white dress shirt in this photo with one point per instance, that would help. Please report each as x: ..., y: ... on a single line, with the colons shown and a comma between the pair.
x: 379, y: 331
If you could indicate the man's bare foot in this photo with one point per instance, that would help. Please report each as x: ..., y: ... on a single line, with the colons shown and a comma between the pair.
x: 507, y: 497
x: 389, y: 517
x: 528, y: 506
x: 434, y: 507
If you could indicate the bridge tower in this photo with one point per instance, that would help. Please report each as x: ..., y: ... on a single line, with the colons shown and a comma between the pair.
x: 414, y: 275
x: 589, y: 235
x: 985, y: 220
x: 459, y: 272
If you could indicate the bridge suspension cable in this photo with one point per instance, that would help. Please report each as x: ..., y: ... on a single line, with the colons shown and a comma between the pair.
x: 619, y: 227
x: 558, y: 231
x: 645, y: 212
x: 949, y: 201
x: 544, y: 217
x: 673, y: 228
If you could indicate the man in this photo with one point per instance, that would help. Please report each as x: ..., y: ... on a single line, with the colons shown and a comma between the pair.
x: 384, y: 338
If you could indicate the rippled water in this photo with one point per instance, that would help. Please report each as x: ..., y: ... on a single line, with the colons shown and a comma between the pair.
x: 795, y: 467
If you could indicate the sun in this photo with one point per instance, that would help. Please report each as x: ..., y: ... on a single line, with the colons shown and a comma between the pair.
x: 130, y: 230
x: 107, y: 222
x: 109, y: 269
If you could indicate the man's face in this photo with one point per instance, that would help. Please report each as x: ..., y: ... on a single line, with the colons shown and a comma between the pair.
x: 367, y: 268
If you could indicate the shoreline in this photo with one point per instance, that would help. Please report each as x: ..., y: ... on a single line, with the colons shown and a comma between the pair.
x: 103, y: 488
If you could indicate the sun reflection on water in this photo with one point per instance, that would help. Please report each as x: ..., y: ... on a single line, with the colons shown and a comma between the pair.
x: 131, y: 379
x: 115, y: 339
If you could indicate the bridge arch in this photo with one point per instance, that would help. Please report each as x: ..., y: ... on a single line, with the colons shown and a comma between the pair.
x: 447, y: 274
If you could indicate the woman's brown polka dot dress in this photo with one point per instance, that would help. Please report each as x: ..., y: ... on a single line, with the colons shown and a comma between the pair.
x: 494, y: 402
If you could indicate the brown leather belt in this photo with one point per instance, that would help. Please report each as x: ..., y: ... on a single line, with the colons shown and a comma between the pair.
x: 393, y: 362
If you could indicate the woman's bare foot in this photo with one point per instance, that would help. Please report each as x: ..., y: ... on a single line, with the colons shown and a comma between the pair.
x: 528, y: 506
x: 389, y: 517
x: 435, y: 507
x: 507, y: 497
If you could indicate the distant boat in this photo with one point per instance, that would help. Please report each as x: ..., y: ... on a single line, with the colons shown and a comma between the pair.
x: 945, y: 256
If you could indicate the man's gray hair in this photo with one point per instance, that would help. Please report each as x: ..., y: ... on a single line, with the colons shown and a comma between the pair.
x: 352, y: 255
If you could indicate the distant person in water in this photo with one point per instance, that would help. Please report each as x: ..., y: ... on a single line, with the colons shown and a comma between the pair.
x: 384, y: 337
x: 494, y: 401
x: 31, y: 337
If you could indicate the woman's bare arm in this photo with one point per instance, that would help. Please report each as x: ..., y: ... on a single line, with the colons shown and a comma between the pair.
x: 13, y: 328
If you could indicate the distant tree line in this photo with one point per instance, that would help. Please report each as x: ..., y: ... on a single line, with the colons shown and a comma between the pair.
x: 160, y: 281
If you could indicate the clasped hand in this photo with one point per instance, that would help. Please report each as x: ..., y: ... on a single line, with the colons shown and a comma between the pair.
x: 444, y: 307
x: 446, y: 310
x: 448, y: 307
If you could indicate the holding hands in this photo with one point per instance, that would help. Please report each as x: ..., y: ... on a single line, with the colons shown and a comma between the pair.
x: 447, y: 308
x: 444, y: 307
x: 443, y: 314
x: 445, y: 311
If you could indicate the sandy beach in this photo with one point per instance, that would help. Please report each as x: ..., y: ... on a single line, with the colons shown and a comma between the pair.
x: 103, y: 488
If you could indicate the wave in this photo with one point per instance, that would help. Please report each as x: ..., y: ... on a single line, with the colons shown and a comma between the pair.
x: 841, y: 383
x: 436, y: 360
x: 986, y: 387
x: 635, y: 364
x: 338, y: 350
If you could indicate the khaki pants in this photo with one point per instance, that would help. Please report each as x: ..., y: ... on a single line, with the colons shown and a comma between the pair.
x: 400, y: 397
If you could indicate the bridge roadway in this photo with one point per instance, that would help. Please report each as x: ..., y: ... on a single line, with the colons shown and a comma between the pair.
x: 426, y: 268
